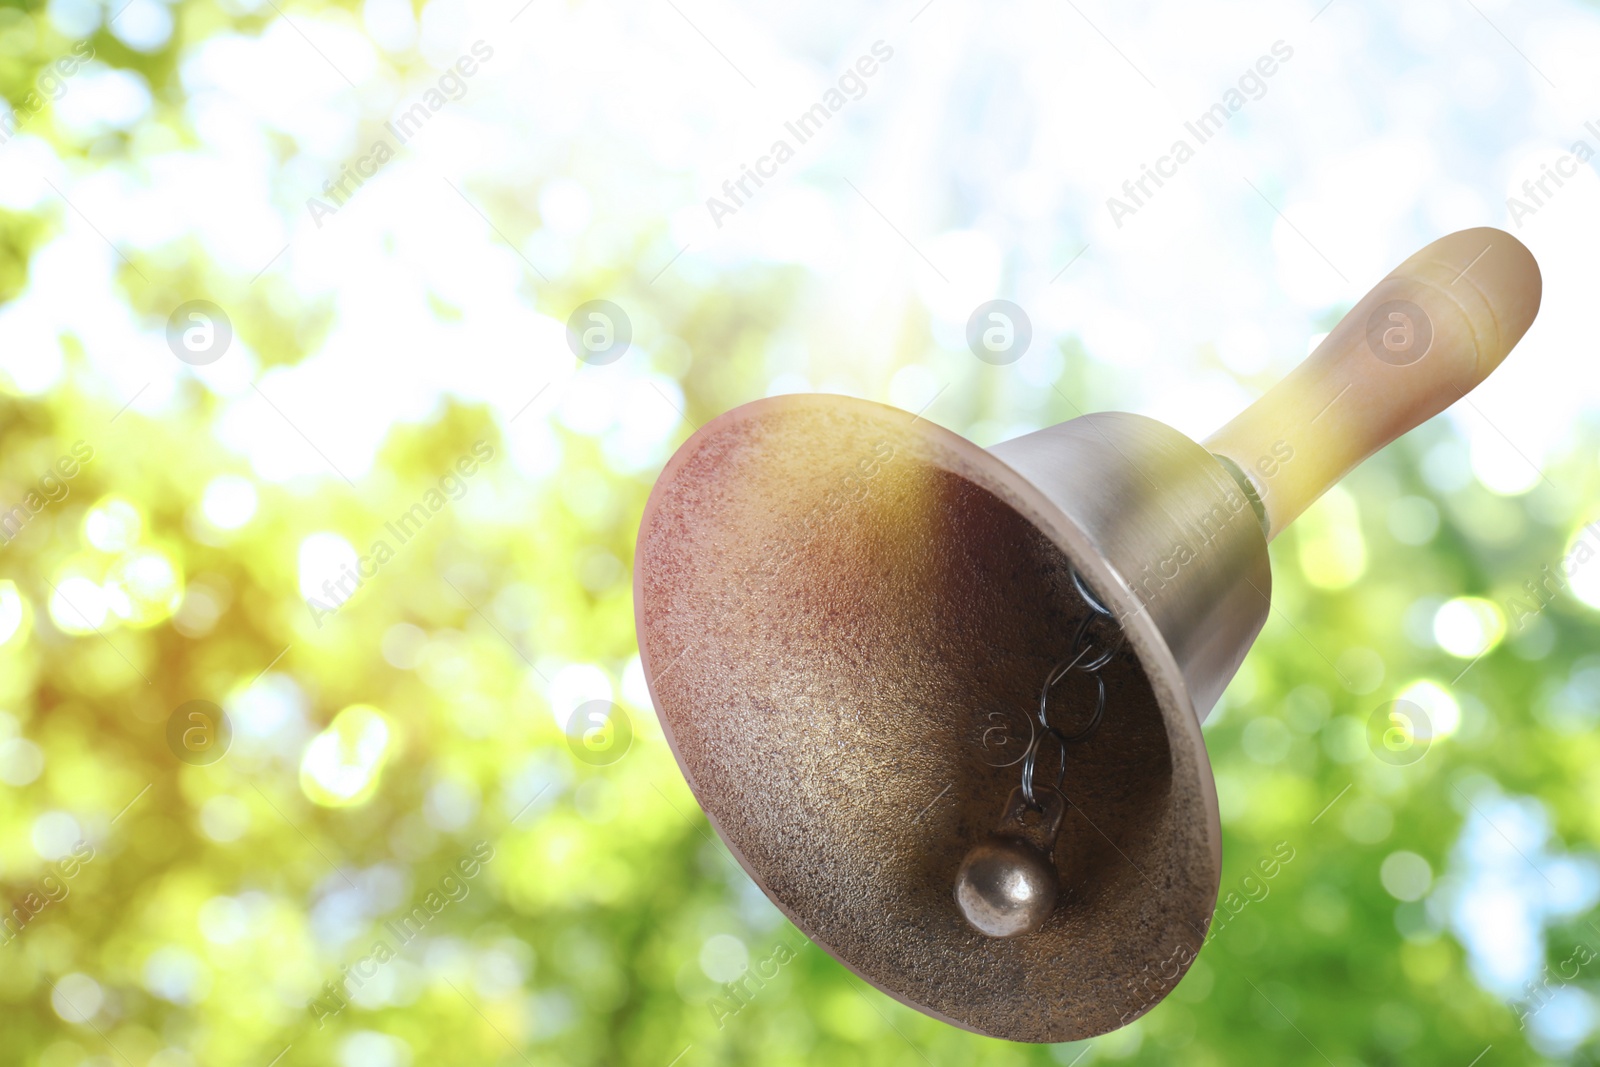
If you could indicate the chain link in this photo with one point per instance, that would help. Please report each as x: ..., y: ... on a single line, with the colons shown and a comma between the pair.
x: 1083, y: 657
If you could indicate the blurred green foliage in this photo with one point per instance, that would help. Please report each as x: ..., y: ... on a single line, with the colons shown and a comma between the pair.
x: 220, y: 899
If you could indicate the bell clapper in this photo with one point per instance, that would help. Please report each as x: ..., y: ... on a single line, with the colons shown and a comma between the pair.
x: 1007, y: 885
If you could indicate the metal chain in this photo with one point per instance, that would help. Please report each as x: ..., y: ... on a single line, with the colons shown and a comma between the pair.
x: 1081, y: 658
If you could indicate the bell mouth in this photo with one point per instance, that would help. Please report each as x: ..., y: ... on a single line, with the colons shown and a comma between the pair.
x: 845, y: 616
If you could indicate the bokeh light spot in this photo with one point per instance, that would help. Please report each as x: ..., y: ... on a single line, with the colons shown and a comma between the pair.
x: 1580, y: 565
x: 113, y: 524
x: 1333, y: 554
x: 77, y: 998
x: 723, y: 958
x: 325, y: 559
x: 1444, y: 714
x: 341, y: 764
x: 1468, y: 627
x: 78, y: 605
x: 13, y: 610
x: 229, y: 502
x: 144, y: 588
x: 1406, y: 875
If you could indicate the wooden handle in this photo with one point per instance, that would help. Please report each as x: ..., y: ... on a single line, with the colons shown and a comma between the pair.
x: 1414, y: 345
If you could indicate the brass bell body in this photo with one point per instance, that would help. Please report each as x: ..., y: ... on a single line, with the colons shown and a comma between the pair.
x: 831, y: 596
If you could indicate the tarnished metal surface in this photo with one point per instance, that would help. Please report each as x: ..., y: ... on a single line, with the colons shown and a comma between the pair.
x: 1173, y: 524
x: 838, y: 604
